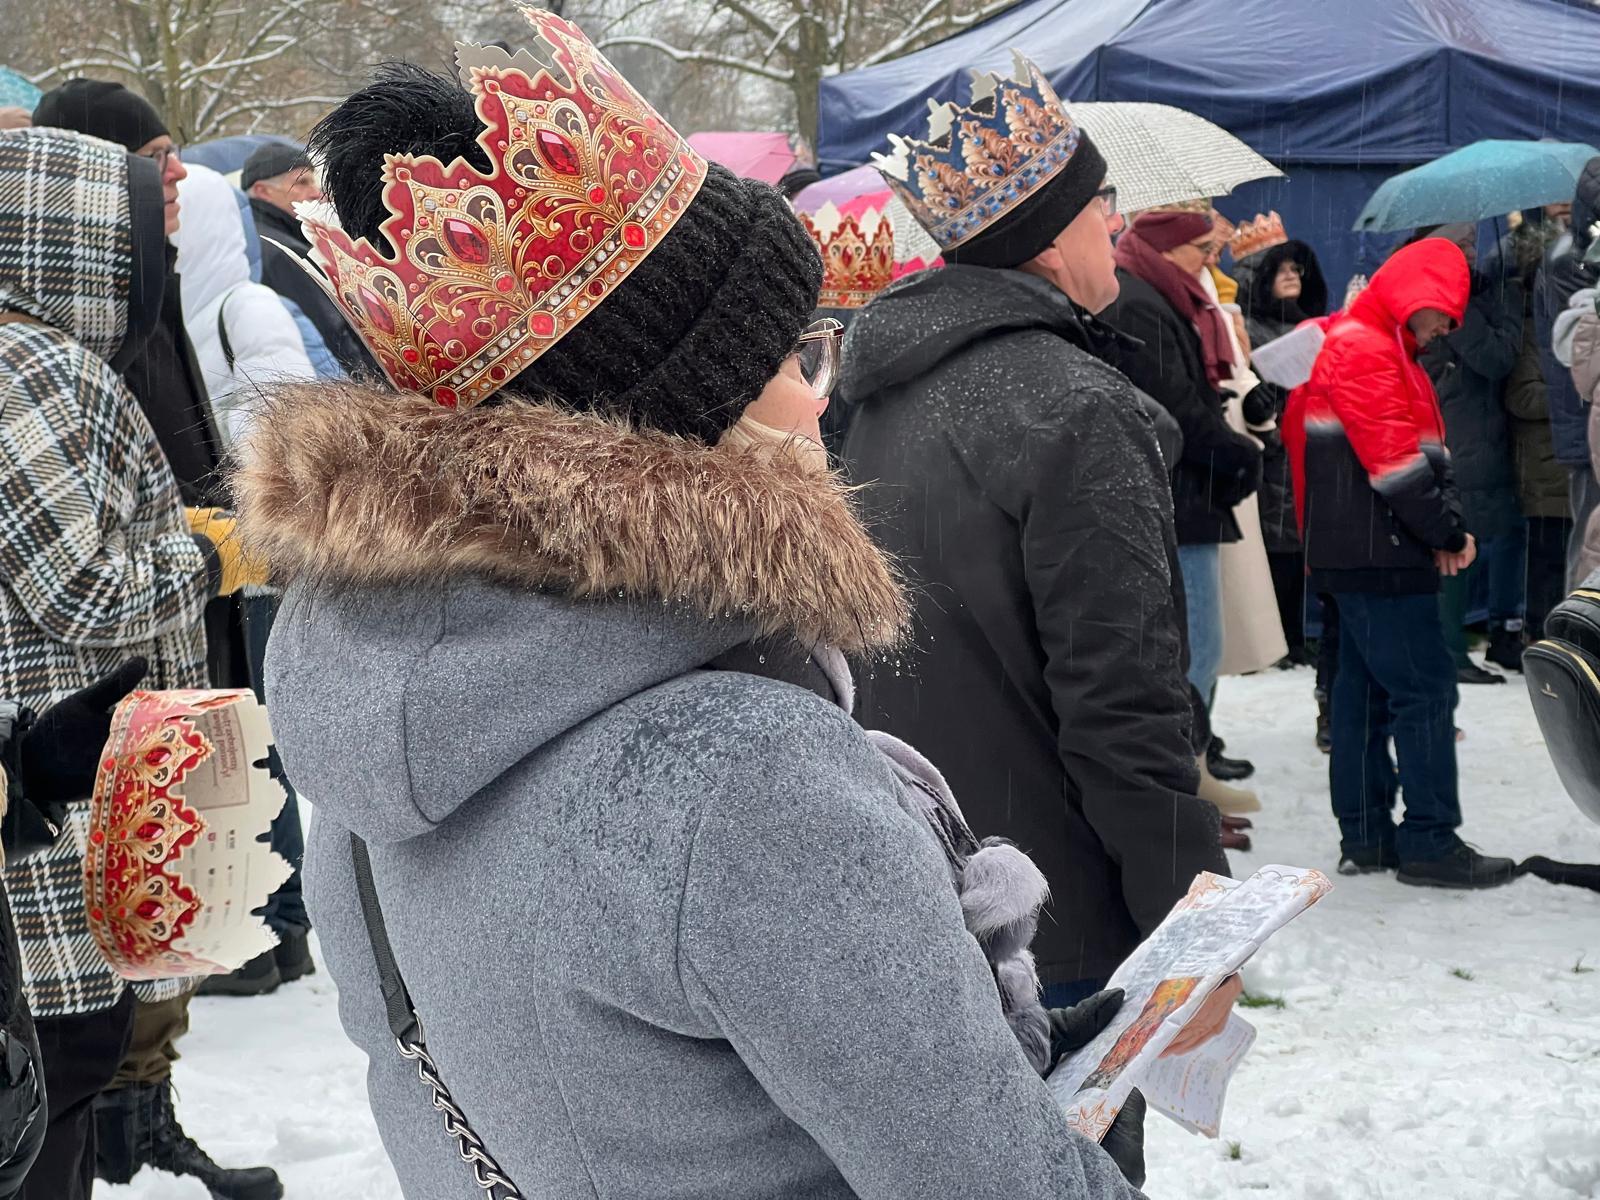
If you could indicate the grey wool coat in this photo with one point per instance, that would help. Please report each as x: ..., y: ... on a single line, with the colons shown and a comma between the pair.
x: 674, y: 931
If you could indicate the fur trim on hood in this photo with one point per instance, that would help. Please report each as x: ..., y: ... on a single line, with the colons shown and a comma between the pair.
x: 349, y: 486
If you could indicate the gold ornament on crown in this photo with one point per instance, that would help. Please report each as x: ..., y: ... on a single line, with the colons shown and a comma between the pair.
x: 857, y: 255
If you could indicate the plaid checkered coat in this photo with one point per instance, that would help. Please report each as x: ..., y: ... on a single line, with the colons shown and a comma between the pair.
x: 96, y: 560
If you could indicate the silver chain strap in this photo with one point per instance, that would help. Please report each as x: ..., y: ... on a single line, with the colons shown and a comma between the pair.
x: 493, y: 1181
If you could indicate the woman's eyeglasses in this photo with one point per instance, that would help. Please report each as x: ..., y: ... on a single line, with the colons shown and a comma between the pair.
x: 164, y: 155
x: 818, y: 354
x: 1108, y: 201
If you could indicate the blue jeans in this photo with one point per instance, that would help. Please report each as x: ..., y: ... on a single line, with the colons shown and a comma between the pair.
x: 1396, y: 679
x: 1202, y: 586
x: 286, y: 909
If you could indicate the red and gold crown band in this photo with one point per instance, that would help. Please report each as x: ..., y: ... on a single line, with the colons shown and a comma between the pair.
x: 491, y: 271
x: 857, y: 255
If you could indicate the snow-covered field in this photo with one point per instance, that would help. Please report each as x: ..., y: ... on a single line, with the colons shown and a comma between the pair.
x: 1431, y: 1046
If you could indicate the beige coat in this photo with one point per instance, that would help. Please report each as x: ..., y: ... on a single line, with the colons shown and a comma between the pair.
x: 1252, y: 631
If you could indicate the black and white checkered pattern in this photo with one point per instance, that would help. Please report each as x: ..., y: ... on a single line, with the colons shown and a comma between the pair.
x: 96, y: 560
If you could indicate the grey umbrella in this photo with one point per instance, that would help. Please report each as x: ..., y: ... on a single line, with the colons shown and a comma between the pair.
x: 1156, y: 154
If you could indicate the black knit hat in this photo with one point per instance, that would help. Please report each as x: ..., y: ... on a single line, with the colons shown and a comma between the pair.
x: 1028, y: 229
x: 102, y: 110
x: 684, y: 343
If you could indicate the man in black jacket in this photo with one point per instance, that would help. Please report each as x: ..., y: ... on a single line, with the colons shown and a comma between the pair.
x: 135, y: 1118
x: 277, y: 177
x: 1018, y: 477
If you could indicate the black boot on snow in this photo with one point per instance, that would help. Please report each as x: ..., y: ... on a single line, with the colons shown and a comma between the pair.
x: 172, y: 1150
x: 1462, y: 868
x: 258, y: 977
x: 1229, y: 770
x: 293, y: 955
x: 1505, y: 647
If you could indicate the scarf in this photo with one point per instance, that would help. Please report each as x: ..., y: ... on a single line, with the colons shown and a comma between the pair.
x: 1139, y: 253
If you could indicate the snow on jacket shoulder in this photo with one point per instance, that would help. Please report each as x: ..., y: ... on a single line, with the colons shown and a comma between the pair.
x: 1371, y: 468
x: 243, y: 336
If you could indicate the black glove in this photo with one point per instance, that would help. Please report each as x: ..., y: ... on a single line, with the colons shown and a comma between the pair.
x: 60, y: 755
x: 1074, y: 1028
x: 1124, y: 1141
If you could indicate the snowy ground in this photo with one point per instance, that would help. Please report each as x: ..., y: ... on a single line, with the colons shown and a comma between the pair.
x: 1430, y: 1045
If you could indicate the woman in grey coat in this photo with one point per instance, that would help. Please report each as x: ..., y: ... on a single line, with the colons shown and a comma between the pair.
x: 568, y: 662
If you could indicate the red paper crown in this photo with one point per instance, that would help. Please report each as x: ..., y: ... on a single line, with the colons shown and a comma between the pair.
x: 1254, y: 236
x: 857, y: 255
x: 493, y: 270
x: 140, y: 826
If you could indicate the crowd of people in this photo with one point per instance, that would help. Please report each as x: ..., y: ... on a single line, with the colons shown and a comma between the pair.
x: 520, y: 522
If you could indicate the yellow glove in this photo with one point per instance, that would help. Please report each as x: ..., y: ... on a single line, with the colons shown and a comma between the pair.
x: 216, y: 526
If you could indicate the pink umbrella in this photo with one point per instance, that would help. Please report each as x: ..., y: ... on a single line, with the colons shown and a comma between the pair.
x: 840, y: 190
x: 767, y: 157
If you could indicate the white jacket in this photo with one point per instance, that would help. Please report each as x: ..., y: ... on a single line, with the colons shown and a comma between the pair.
x: 219, y: 298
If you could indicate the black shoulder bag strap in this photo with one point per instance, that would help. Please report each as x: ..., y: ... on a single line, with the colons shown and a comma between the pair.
x: 407, y: 1029
x: 222, y: 329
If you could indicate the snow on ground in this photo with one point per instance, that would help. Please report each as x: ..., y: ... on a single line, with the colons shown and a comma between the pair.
x: 1430, y: 1044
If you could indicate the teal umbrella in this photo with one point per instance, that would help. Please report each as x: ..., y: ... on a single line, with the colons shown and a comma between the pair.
x: 17, y: 92
x: 1475, y: 183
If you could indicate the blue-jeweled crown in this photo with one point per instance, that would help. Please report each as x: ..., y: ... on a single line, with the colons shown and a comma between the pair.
x: 981, y: 161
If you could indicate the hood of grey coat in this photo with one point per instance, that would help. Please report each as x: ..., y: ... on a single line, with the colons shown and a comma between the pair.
x: 441, y: 690
x: 82, y: 238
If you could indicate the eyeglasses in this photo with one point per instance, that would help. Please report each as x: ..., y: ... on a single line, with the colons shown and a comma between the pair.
x: 817, y: 352
x: 1108, y: 200
x: 1293, y: 268
x: 163, y: 156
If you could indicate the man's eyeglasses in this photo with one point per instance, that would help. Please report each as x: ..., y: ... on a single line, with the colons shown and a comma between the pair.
x: 1108, y: 200
x: 164, y: 155
x: 818, y: 354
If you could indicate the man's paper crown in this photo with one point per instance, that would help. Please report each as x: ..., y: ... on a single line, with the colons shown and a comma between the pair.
x: 857, y: 255
x: 980, y: 162
x: 1260, y: 233
x: 491, y: 271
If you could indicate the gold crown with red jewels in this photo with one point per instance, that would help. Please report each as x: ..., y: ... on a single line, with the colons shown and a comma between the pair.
x: 1258, y: 234
x: 857, y: 254
x: 492, y: 270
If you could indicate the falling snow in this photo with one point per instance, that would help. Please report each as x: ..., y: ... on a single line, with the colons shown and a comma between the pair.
x: 1429, y: 1044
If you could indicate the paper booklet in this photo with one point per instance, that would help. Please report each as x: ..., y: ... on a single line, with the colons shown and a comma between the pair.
x: 1287, y: 361
x: 174, y: 867
x: 1208, y: 936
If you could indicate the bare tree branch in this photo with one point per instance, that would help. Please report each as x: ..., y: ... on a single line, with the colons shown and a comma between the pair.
x: 709, y: 58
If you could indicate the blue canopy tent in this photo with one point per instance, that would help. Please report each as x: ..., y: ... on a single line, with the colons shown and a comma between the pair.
x: 1340, y: 94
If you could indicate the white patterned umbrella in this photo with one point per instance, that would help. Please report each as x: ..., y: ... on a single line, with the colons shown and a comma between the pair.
x: 1156, y: 154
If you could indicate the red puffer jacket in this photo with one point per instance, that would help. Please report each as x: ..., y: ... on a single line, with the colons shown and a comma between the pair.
x: 1375, y: 492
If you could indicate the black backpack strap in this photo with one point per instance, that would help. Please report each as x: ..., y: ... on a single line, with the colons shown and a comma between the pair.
x: 407, y: 1029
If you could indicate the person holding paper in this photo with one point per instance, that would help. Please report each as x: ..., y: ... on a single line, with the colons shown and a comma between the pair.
x: 561, y: 661
x: 1382, y: 523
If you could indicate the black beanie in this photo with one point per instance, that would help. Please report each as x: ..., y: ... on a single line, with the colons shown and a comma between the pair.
x: 1028, y: 229
x: 684, y: 343
x: 102, y: 110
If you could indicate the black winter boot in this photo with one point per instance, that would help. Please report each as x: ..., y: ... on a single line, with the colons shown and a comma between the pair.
x: 1462, y: 868
x: 1228, y: 770
x: 160, y: 1142
x: 1505, y: 647
x: 293, y: 955
x: 118, y: 1132
x: 258, y: 977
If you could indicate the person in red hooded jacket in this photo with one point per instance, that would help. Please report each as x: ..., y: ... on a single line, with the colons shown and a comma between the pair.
x: 1381, y: 519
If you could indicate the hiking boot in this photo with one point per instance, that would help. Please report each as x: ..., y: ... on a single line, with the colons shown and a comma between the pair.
x: 1473, y: 673
x: 1462, y: 867
x: 1368, y: 861
x: 1505, y: 648
x: 293, y: 956
x: 1229, y: 770
x: 258, y: 977
x: 170, y: 1149
x: 136, y: 1126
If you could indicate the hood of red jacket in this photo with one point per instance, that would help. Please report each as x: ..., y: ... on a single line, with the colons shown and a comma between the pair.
x: 1432, y: 273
